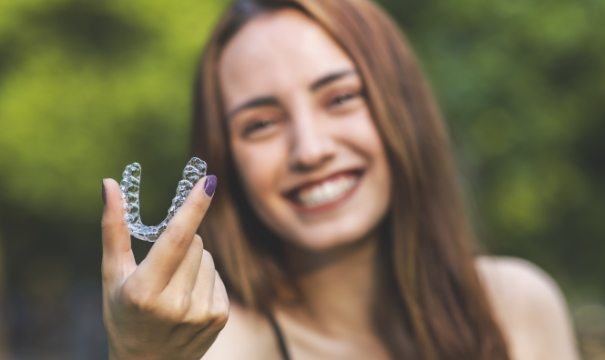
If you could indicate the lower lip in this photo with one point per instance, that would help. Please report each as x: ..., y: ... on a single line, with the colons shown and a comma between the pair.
x: 329, y: 205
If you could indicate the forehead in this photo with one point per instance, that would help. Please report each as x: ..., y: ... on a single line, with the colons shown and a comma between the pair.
x: 275, y: 52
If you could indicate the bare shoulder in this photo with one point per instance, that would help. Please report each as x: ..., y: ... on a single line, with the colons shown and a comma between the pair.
x: 530, y: 307
x: 247, y: 335
x: 518, y: 280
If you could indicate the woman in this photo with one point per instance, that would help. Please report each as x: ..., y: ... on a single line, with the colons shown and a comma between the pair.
x: 338, y: 229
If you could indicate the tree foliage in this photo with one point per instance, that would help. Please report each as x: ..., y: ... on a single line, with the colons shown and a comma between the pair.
x: 87, y: 87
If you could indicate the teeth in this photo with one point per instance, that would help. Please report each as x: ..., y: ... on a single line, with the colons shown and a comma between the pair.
x: 326, y: 191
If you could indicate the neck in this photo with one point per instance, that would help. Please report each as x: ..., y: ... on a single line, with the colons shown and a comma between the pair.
x: 338, y: 287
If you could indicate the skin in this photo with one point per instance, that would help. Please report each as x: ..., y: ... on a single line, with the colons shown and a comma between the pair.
x: 173, y: 304
x: 298, y: 137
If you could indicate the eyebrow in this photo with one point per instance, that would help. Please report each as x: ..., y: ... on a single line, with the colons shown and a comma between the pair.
x: 272, y: 101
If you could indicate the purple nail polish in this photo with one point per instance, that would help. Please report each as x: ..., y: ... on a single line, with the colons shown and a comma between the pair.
x: 210, y: 185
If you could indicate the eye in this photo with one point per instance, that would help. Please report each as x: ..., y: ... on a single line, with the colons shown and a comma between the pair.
x: 256, y: 126
x: 341, y: 99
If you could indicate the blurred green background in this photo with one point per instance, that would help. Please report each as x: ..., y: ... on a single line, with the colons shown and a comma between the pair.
x: 86, y: 87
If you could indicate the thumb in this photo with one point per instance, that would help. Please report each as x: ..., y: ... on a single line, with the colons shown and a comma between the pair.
x: 117, y: 252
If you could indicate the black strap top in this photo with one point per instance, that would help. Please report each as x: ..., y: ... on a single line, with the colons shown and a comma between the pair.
x: 280, y: 337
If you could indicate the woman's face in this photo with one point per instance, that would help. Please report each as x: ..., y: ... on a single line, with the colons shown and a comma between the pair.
x: 309, y: 156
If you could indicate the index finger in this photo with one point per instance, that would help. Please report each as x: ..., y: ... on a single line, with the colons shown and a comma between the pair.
x: 169, y: 250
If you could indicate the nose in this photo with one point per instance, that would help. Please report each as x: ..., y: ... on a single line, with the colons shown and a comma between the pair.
x: 311, y: 144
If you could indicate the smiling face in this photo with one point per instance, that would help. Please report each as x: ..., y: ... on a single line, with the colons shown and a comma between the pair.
x: 309, y: 156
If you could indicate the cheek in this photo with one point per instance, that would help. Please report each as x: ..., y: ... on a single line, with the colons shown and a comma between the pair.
x: 259, y: 166
x: 362, y: 134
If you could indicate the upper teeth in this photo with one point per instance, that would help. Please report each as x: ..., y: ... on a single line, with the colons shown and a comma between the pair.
x: 326, y: 191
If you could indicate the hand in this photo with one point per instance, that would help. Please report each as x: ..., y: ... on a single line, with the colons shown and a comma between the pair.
x: 173, y: 304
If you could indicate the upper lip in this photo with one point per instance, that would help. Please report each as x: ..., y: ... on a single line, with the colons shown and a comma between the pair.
x: 292, y: 190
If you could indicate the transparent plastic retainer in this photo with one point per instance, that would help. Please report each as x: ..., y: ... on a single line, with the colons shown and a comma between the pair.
x: 130, y: 186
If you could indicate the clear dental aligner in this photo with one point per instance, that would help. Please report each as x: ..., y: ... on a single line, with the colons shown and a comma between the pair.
x: 130, y: 186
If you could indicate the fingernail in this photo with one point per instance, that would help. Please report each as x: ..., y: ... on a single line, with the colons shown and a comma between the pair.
x: 103, y: 192
x: 210, y: 185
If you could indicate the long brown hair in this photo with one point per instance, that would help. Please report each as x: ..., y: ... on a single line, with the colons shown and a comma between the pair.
x: 438, y: 307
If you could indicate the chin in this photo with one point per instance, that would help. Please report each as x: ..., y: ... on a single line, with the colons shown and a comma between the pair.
x: 326, y: 243
x: 334, y: 236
